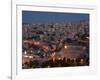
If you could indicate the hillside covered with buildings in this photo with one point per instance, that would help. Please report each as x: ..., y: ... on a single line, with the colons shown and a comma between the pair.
x: 55, y: 44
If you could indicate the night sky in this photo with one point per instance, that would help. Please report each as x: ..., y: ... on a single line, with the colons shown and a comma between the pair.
x: 43, y: 17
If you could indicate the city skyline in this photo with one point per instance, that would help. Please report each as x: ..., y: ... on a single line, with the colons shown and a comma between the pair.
x: 44, y: 17
x: 56, y: 42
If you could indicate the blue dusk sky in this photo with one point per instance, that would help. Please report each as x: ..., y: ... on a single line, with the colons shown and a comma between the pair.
x: 44, y: 17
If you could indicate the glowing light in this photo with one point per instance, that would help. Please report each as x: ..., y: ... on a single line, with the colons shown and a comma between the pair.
x: 25, y: 56
x: 30, y: 57
x: 36, y: 43
x: 25, y: 52
x: 59, y: 58
x: 81, y: 61
x: 65, y: 47
x: 54, y: 54
x: 87, y: 37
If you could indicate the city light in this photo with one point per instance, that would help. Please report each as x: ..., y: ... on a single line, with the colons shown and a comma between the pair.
x: 53, y: 54
x: 65, y: 46
x: 25, y: 52
x: 47, y: 45
x: 59, y: 58
x: 30, y: 57
x: 36, y: 43
x: 87, y: 37
x: 26, y: 56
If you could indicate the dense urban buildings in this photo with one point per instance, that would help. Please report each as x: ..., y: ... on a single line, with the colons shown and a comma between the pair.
x: 52, y: 39
x: 55, y: 44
